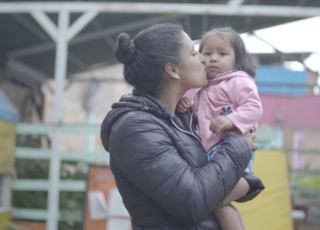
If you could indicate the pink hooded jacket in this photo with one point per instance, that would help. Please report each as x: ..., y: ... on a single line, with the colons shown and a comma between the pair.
x: 234, y: 95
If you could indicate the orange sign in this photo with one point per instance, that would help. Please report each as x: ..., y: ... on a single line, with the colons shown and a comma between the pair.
x: 104, y: 209
x: 31, y: 225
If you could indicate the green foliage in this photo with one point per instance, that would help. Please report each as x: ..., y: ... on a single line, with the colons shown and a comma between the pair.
x: 73, y: 170
x: 28, y: 141
x: 32, y: 169
x: 305, y: 180
x: 29, y: 199
x: 71, y: 206
x: 71, y: 203
x: 306, y: 191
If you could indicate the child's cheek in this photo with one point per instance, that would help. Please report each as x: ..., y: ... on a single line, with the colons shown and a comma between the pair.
x: 206, y: 62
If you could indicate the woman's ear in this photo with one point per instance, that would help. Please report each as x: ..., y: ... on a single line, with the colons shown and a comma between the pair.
x: 172, y: 70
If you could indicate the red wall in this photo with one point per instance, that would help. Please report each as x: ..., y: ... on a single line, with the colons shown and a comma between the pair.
x: 297, y: 111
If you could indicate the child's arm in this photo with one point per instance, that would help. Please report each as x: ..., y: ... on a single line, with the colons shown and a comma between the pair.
x: 184, y: 105
x: 243, y: 94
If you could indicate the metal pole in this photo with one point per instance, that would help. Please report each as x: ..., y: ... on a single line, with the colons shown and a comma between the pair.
x: 233, y: 9
x: 91, y: 136
x: 60, y: 75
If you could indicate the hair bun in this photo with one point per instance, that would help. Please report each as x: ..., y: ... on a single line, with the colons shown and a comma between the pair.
x: 125, y: 49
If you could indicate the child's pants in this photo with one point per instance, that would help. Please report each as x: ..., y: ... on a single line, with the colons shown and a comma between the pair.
x: 215, y: 149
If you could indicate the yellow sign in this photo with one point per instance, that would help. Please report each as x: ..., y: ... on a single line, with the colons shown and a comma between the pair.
x: 7, y: 143
x: 5, y: 217
x: 271, y: 210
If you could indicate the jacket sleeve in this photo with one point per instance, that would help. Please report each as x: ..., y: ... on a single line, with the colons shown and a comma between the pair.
x: 244, y: 95
x: 141, y: 147
x: 256, y: 186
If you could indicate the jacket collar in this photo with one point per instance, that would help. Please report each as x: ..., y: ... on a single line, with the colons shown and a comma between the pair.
x: 222, y: 76
x: 142, y: 102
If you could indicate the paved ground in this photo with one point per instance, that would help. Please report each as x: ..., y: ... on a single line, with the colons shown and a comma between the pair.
x: 312, y: 225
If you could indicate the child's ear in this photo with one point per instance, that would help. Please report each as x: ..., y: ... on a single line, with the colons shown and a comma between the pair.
x: 172, y: 70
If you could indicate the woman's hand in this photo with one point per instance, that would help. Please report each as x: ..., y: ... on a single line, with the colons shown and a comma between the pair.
x: 249, y: 137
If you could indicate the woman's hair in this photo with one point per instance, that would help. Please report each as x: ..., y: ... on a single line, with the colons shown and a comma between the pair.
x: 145, y: 56
x: 244, y: 60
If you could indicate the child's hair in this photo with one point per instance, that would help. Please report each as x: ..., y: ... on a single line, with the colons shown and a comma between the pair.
x: 244, y: 60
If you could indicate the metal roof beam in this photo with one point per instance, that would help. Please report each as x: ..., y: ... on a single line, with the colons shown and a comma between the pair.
x: 31, y: 27
x: 76, y: 61
x: 31, y: 50
x: 107, y: 38
x: 120, y: 28
x: 110, y: 42
x: 302, y: 2
x: 26, y: 70
x: 234, y: 3
x: 44, y: 47
x: 81, y: 22
x: 161, y: 8
x: 46, y: 24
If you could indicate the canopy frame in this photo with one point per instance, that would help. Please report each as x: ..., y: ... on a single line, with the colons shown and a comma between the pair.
x: 63, y: 34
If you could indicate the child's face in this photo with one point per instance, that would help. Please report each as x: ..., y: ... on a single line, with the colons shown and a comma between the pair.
x: 218, y: 54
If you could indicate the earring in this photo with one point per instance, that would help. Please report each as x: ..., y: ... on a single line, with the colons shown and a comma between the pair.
x: 177, y: 77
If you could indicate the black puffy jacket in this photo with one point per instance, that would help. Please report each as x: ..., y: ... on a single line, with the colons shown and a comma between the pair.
x: 161, y: 168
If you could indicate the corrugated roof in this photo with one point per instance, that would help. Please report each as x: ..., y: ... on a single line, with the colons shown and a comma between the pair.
x: 20, y: 33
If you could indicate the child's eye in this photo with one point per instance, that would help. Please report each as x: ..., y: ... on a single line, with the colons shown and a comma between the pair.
x: 222, y: 53
x: 207, y: 53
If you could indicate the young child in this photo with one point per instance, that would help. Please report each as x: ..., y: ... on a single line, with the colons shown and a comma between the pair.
x: 229, y: 101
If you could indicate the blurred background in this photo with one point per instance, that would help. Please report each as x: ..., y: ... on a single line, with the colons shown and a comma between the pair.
x: 59, y: 78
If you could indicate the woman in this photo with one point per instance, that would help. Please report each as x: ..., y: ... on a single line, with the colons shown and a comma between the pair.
x: 159, y: 163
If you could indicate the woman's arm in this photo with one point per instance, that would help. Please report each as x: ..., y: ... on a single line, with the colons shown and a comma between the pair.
x: 241, y: 189
x: 249, y: 186
x: 142, y: 149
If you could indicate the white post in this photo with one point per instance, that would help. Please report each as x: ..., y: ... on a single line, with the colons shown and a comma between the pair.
x: 60, y: 75
x: 91, y: 136
x: 46, y: 23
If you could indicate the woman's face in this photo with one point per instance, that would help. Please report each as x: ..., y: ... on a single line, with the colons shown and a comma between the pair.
x: 192, y: 70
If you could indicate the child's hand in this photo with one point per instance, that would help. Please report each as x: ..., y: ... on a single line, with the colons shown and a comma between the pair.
x: 184, y: 104
x: 221, y: 124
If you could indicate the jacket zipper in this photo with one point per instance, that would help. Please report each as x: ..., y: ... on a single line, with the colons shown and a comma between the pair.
x: 190, y: 133
x: 190, y: 126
